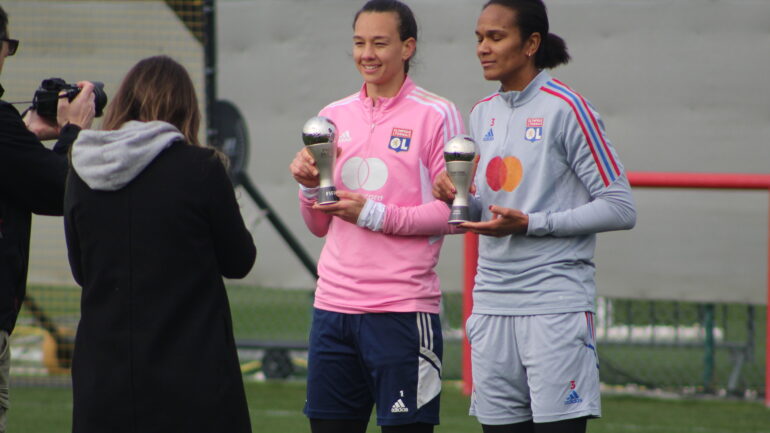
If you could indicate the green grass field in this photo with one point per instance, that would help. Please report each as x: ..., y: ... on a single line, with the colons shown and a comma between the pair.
x: 284, y: 315
x: 276, y: 407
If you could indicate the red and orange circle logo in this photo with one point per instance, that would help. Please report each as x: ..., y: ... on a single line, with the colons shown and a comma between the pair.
x: 504, y: 173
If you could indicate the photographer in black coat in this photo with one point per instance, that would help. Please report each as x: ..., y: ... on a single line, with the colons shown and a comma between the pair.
x: 152, y: 226
x: 32, y: 180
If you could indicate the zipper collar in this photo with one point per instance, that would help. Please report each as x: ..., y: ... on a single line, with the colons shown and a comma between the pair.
x: 516, y: 98
x: 383, y: 103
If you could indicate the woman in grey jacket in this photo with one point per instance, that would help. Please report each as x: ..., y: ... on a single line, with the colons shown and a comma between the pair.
x: 152, y: 226
x: 548, y: 180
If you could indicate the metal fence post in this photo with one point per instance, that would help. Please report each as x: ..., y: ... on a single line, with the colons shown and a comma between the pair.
x: 708, y: 347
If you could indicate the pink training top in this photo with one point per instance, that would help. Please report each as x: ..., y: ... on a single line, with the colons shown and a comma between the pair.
x: 391, y: 153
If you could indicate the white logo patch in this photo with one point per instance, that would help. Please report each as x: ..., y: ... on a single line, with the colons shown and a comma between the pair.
x: 399, y: 407
x: 369, y: 174
x: 345, y: 137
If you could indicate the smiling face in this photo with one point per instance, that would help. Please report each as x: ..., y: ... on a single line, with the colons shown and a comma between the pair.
x: 504, y: 56
x: 379, y: 52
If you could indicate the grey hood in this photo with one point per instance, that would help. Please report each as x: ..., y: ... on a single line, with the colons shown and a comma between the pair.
x: 109, y: 160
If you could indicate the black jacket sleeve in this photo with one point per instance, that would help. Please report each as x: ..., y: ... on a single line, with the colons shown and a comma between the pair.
x: 233, y: 243
x: 32, y: 176
x: 70, y: 231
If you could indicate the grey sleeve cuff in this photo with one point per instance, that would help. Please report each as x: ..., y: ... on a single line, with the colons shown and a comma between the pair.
x: 538, y: 224
x: 308, y: 193
x: 612, y: 209
x: 372, y: 216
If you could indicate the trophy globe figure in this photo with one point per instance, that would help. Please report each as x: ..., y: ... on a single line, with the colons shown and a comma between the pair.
x: 459, y: 153
x: 320, y: 138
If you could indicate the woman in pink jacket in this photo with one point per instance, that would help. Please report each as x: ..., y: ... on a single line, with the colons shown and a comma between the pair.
x: 376, y: 335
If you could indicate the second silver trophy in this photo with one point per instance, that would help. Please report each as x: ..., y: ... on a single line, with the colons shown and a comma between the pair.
x: 320, y: 138
x: 459, y: 154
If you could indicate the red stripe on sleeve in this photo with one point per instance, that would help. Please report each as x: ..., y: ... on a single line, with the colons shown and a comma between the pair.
x: 483, y: 100
x: 596, y: 125
x: 585, y: 132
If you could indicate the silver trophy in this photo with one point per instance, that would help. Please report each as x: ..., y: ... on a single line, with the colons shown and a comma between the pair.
x: 459, y: 153
x: 320, y: 137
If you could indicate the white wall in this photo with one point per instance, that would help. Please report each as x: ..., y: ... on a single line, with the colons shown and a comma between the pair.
x: 679, y: 84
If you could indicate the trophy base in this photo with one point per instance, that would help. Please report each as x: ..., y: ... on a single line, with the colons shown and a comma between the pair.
x: 460, y: 214
x: 326, y: 195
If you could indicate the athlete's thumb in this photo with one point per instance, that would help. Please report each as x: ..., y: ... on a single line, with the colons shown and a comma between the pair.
x: 496, y: 210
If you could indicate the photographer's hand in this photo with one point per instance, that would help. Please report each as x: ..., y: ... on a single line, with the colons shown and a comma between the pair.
x: 42, y: 128
x: 81, y: 110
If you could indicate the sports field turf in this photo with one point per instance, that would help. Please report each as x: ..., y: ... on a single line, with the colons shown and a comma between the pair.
x: 276, y: 407
x: 276, y: 315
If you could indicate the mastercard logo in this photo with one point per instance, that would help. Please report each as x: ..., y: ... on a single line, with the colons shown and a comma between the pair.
x: 369, y: 174
x: 504, y: 173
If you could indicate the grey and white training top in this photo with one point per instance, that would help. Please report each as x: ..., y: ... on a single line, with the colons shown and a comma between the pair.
x: 544, y: 151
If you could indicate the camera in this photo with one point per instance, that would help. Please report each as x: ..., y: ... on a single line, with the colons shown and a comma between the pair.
x: 46, y: 99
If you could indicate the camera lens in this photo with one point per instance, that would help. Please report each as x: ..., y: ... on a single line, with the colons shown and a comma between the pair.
x: 100, y: 97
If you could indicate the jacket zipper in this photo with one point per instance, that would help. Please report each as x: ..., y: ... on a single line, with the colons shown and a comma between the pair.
x: 371, y: 131
x: 508, y: 128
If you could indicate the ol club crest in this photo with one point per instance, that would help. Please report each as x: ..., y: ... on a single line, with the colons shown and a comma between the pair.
x: 400, y: 139
x: 534, y: 131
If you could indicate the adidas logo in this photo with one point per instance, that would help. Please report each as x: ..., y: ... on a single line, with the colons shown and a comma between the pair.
x: 345, y: 137
x: 399, y: 407
x: 489, y: 136
x: 573, y: 398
